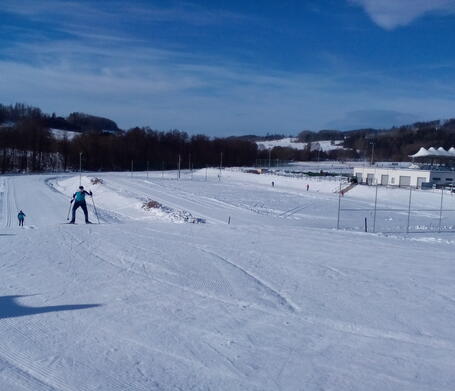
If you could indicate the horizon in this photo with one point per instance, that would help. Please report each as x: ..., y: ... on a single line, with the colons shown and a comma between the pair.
x: 232, y: 68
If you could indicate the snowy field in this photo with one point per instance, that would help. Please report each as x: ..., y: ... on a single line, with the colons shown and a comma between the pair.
x: 276, y: 300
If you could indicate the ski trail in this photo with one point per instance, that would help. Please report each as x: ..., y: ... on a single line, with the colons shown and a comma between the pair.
x: 9, y: 204
x: 282, y: 301
x: 174, y: 199
x: 3, y: 201
x: 28, y: 379
x: 370, y: 332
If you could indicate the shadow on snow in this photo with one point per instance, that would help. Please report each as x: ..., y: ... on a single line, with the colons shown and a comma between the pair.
x: 10, y: 308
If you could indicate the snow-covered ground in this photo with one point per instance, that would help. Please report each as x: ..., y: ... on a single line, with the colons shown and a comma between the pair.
x: 276, y: 300
x: 290, y: 142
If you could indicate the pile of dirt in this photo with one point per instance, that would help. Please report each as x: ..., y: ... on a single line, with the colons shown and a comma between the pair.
x: 151, y: 204
x: 96, y: 181
x: 180, y: 216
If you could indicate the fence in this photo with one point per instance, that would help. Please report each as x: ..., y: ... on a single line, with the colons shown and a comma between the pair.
x: 394, y: 210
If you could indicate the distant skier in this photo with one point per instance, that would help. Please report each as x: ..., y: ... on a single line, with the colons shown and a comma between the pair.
x: 21, y: 217
x: 79, y: 201
x: 307, y: 187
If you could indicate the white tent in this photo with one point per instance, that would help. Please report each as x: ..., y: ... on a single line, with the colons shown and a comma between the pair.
x: 434, y: 153
x: 422, y: 152
x: 442, y: 152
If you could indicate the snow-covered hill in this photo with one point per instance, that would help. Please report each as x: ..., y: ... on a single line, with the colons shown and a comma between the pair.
x: 275, y: 300
x: 290, y: 142
x: 60, y: 134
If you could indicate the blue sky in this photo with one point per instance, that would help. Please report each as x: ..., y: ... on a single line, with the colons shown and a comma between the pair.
x: 232, y: 67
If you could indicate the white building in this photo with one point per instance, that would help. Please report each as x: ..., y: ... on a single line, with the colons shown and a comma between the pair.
x: 404, y: 177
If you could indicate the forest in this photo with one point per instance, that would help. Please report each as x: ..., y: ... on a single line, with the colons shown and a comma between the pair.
x: 28, y: 143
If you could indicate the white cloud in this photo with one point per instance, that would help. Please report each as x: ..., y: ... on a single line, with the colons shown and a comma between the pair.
x: 390, y: 14
x: 105, y: 69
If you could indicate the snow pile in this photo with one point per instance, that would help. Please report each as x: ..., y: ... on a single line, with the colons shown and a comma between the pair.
x: 114, y: 204
x: 174, y: 215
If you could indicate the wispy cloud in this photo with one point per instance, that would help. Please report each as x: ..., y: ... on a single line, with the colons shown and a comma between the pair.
x: 390, y: 14
x: 46, y: 10
x: 362, y: 119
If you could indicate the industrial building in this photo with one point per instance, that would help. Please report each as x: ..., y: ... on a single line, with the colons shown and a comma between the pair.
x: 431, y: 167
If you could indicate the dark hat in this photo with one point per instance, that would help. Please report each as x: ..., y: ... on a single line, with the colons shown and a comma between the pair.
x: 81, y: 187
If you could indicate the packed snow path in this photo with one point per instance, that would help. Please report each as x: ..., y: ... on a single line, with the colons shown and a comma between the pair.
x: 141, y: 302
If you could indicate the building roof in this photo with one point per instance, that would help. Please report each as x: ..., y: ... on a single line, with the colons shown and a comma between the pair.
x: 434, y: 153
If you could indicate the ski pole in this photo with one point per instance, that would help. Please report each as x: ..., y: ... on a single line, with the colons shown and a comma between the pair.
x: 94, y: 207
x: 69, y: 210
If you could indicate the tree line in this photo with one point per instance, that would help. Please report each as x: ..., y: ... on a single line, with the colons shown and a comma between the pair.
x: 27, y: 143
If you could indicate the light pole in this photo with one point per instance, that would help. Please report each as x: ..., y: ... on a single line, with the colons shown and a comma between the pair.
x: 179, y: 167
x: 80, y: 168
x: 372, y: 152
x: 221, y: 165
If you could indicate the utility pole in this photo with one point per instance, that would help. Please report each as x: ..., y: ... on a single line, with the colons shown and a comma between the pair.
x: 179, y: 167
x: 221, y: 165
x: 372, y: 152
x: 440, y: 210
x: 132, y: 167
x: 80, y: 168
x: 409, y: 209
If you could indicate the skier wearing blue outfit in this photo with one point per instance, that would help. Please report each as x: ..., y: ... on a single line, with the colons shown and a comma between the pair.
x: 79, y: 201
x: 21, y: 217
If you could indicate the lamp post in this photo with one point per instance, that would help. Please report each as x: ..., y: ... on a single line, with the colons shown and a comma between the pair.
x: 80, y: 168
x: 372, y: 152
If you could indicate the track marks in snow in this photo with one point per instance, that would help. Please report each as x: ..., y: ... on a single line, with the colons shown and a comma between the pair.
x: 369, y: 332
x: 8, y: 202
x: 258, y: 284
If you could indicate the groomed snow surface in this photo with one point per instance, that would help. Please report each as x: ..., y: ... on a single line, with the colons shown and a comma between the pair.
x: 276, y: 300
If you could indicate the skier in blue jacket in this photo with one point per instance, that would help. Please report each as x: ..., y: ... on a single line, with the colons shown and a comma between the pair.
x: 79, y: 201
x: 21, y: 217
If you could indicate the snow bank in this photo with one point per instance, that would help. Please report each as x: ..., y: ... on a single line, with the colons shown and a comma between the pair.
x: 115, y: 204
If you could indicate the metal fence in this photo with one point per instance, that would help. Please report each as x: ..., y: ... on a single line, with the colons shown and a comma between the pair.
x: 389, y: 212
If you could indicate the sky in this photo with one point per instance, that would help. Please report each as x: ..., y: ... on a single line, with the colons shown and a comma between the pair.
x: 232, y: 67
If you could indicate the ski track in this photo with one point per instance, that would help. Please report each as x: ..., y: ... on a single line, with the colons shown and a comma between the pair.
x: 202, y: 288
x: 176, y: 200
x: 209, y: 275
x: 282, y: 301
x: 44, y: 376
x: 221, y: 283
